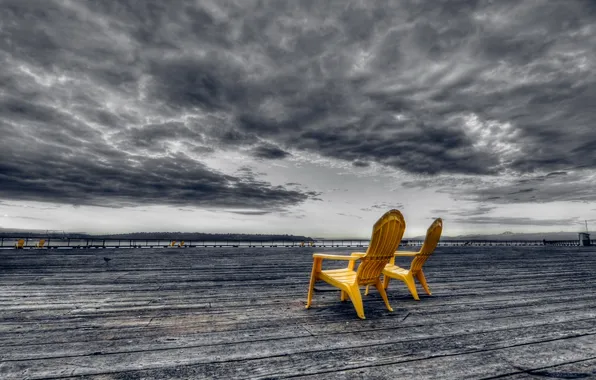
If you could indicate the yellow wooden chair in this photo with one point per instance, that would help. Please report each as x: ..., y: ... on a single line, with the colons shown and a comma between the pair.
x: 386, y: 235
x: 433, y: 234
x: 40, y: 244
x: 172, y: 243
x: 20, y: 244
x: 181, y: 244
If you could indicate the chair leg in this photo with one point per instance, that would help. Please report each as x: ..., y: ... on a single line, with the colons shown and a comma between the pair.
x: 311, y: 285
x: 356, y: 298
x: 343, y: 296
x: 409, y: 280
x: 366, y: 291
x: 422, y: 280
x: 386, y: 281
x: 379, y: 287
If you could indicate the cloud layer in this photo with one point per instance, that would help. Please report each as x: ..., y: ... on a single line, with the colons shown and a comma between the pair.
x: 117, y: 103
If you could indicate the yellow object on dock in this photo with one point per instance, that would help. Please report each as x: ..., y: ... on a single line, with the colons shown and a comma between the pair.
x: 433, y: 234
x: 386, y: 236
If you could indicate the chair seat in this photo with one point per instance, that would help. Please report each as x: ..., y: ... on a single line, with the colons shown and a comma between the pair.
x: 345, y: 276
x: 391, y: 269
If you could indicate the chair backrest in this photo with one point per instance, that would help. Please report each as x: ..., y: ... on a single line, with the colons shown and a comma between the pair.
x: 20, y: 243
x: 387, y: 233
x: 433, y: 234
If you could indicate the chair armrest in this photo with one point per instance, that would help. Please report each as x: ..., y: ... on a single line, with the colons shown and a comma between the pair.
x: 406, y: 254
x: 334, y: 257
x: 358, y: 254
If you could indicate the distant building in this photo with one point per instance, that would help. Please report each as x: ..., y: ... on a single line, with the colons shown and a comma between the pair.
x: 584, y: 239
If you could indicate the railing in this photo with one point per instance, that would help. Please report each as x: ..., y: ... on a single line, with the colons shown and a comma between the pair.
x: 74, y: 243
x: 96, y: 243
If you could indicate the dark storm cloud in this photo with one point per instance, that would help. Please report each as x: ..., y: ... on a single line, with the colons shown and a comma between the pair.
x: 384, y: 206
x: 560, y: 186
x: 573, y: 186
x: 349, y: 215
x: 27, y: 206
x: 80, y: 175
x: 269, y: 152
x: 360, y: 164
x: 98, y: 97
x: 250, y: 212
x: 516, y: 221
x: 476, y: 211
x: 25, y: 217
x: 154, y: 136
x: 556, y: 174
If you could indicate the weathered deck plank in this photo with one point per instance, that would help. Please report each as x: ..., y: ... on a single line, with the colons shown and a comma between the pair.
x: 495, y: 312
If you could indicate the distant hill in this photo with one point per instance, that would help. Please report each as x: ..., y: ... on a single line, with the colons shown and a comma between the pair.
x: 16, y: 232
x: 203, y: 236
x: 153, y: 235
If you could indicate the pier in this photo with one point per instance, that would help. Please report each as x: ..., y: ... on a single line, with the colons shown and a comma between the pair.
x: 237, y: 313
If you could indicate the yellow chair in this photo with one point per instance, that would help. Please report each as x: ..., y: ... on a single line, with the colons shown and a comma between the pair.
x: 40, y: 243
x: 181, y: 244
x: 386, y: 235
x: 20, y: 244
x: 433, y: 234
x: 172, y: 243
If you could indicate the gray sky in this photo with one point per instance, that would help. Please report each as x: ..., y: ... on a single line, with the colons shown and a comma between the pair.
x: 301, y: 117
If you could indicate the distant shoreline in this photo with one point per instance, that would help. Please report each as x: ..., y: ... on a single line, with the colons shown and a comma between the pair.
x: 155, y: 236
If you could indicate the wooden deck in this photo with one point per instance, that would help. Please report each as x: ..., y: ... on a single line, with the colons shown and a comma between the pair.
x: 496, y: 312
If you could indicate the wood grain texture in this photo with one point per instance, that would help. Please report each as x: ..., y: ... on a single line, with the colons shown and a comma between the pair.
x: 495, y: 312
